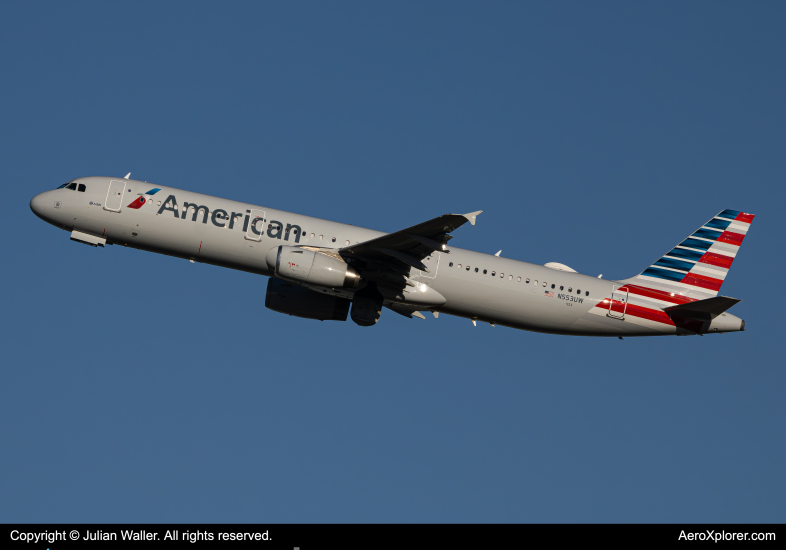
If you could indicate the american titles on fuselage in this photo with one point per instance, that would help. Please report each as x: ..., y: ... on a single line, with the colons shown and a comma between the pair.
x: 223, y: 219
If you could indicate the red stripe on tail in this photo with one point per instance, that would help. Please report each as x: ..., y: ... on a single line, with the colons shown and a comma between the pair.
x: 731, y: 238
x: 657, y: 294
x: 716, y: 259
x: 702, y: 281
x: 743, y: 217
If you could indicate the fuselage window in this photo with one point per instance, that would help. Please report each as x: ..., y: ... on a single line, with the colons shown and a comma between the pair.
x: 476, y: 270
x: 586, y: 293
x: 459, y: 266
x: 501, y: 275
x: 553, y: 285
x: 519, y: 279
x: 570, y: 289
x: 346, y: 243
x: 561, y: 287
x: 334, y: 239
x: 510, y: 277
x: 72, y: 187
x: 544, y: 284
x: 320, y: 237
x: 493, y: 273
x: 159, y: 203
x: 312, y: 235
x: 81, y: 187
x: 527, y: 281
x: 535, y: 282
x: 485, y: 271
x: 578, y: 292
x: 450, y: 264
x: 467, y: 268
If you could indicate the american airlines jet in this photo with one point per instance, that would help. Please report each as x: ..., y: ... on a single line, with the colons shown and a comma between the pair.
x: 325, y: 270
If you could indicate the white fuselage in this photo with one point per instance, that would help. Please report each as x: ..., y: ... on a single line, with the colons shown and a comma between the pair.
x: 222, y: 232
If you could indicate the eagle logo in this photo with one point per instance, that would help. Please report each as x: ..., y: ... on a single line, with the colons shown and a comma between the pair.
x: 143, y: 198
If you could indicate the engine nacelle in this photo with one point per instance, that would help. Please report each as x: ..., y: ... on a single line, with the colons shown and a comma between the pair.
x: 308, y: 266
x: 291, y: 299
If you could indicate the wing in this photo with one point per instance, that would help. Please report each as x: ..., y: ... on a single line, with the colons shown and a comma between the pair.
x: 392, y: 255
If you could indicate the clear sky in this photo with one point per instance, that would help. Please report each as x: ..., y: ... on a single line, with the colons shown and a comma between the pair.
x: 138, y: 387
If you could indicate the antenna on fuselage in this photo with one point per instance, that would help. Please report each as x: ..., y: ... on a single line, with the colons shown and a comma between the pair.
x: 498, y: 253
x: 127, y: 176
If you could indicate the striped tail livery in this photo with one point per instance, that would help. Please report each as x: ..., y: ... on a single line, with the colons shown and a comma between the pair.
x: 678, y: 294
x: 698, y: 265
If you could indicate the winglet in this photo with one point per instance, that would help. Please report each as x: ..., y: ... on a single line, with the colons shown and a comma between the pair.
x: 129, y: 175
x: 472, y: 215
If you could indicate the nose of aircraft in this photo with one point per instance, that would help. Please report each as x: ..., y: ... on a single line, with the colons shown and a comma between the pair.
x: 37, y: 205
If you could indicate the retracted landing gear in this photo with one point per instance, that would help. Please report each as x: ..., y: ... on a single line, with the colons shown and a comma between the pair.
x: 367, y: 306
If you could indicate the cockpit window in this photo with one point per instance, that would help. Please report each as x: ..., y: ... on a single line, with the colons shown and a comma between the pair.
x: 61, y: 186
x: 81, y: 187
x: 72, y: 186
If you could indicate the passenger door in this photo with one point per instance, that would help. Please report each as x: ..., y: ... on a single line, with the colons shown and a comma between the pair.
x: 114, y: 195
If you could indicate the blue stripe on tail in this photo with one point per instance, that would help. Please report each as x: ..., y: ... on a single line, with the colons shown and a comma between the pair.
x: 675, y: 264
x: 663, y: 274
x: 695, y: 243
x: 686, y: 254
x: 728, y: 214
x: 720, y: 225
x: 707, y: 234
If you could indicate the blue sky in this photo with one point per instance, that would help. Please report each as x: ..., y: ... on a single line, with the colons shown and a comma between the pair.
x: 139, y: 387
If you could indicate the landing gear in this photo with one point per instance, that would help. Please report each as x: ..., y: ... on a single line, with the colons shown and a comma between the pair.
x: 367, y: 306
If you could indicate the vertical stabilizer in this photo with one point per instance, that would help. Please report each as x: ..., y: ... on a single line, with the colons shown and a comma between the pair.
x: 698, y: 265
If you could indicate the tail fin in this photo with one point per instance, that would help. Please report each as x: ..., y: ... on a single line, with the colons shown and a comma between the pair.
x: 698, y: 265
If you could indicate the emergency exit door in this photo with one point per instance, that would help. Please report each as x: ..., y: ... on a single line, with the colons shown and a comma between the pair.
x: 256, y: 225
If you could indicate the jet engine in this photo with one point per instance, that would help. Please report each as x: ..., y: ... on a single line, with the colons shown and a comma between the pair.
x: 291, y: 299
x: 309, y: 266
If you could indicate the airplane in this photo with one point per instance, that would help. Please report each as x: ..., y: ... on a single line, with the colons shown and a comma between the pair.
x: 324, y: 270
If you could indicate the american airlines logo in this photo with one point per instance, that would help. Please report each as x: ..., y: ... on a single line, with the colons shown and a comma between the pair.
x: 223, y: 219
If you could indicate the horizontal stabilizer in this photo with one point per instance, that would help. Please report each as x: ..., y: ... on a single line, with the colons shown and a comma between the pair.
x: 702, y: 309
